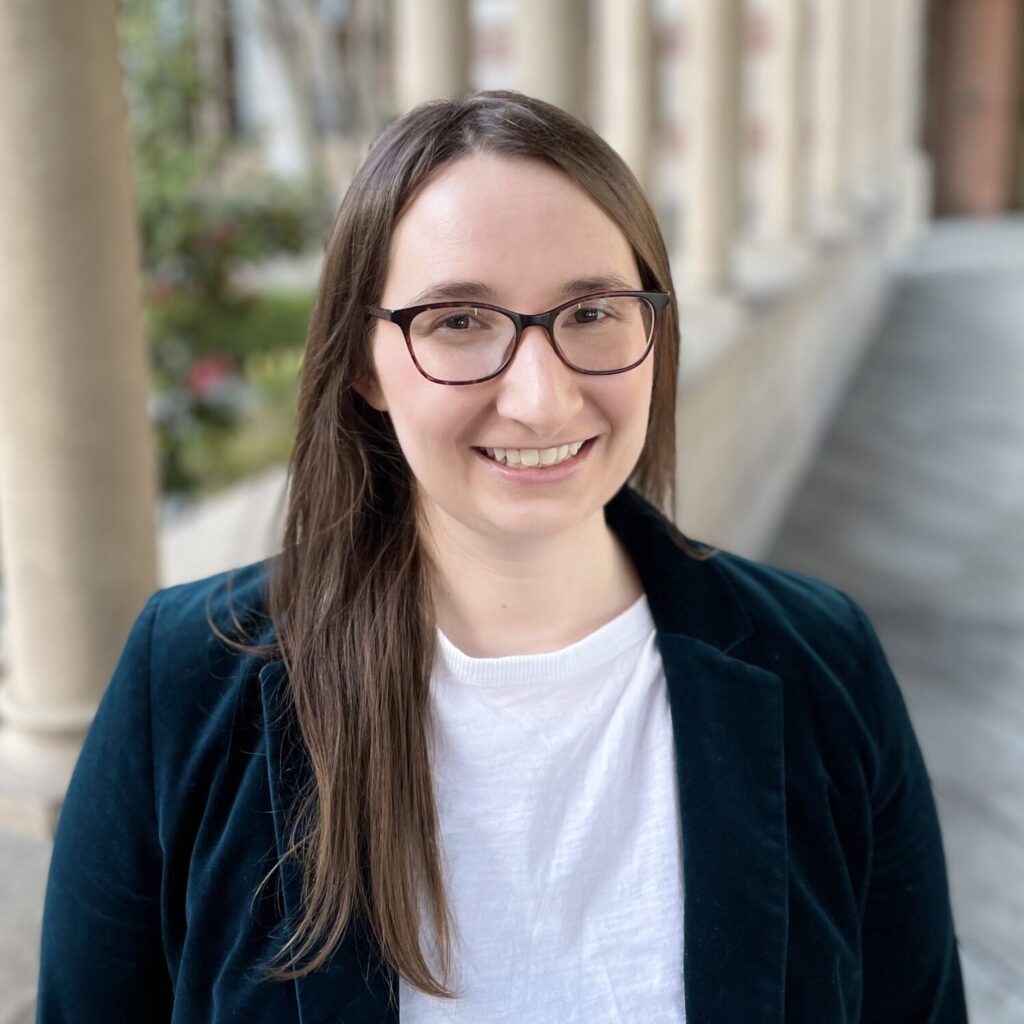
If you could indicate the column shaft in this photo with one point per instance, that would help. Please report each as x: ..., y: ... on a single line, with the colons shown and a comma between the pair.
x: 626, y: 83
x: 881, y: 53
x: 782, y: 173
x: 77, y: 471
x: 830, y: 101
x: 431, y: 50
x: 711, y: 76
x: 914, y: 172
x: 550, y: 43
x: 860, y: 64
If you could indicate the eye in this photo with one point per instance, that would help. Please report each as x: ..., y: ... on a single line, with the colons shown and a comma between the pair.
x: 592, y: 312
x: 456, y: 320
x: 589, y: 314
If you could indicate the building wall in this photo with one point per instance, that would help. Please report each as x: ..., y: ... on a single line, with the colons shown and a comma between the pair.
x: 975, y: 116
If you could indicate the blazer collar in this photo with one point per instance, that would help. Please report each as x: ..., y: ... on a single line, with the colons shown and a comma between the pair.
x: 727, y: 724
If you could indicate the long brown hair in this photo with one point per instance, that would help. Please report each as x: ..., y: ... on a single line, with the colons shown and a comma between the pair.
x: 349, y: 593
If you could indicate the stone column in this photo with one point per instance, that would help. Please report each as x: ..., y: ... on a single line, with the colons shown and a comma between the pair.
x: 773, y: 255
x: 860, y: 63
x: 550, y: 44
x: 77, y: 467
x: 625, y: 48
x: 712, y: 61
x: 431, y: 50
x: 881, y: 31
x: 830, y: 118
x: 913, y: 169
x: 782, y: 213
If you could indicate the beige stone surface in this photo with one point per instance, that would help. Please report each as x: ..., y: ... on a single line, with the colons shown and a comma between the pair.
x: 77, y: 466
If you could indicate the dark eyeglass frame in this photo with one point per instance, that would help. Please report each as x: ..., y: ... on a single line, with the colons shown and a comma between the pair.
x: 404, y: 318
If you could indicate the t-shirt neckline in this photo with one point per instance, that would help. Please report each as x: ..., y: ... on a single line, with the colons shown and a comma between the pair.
x: 591, y: 652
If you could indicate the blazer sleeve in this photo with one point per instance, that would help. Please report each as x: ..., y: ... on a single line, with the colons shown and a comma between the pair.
x: 910, y: 957
x: 101, y: 954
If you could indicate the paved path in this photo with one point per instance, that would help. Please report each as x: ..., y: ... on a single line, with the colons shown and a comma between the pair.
x: 916, y: 508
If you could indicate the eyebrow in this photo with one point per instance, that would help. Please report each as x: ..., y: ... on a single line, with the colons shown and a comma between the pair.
x: 484, y: 293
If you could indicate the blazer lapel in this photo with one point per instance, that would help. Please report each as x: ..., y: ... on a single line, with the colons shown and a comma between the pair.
x: 727, y: 721
x: 728, y: 728
x: 727, y: 724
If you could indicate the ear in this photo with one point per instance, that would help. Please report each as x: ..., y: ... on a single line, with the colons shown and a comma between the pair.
x: 370, y: 389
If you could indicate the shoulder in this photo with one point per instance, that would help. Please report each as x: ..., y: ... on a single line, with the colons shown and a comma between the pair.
x: 204, y: 695
x: 823, y: 645
x: 175, y: 690
x: 187, y: 608
x: 187, y: 659
x: 788, y: 608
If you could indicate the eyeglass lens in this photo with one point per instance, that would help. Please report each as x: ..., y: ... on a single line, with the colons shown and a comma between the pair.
x: 464, y: 342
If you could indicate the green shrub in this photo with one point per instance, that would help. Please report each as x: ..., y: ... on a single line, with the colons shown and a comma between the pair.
x: 197, y: 229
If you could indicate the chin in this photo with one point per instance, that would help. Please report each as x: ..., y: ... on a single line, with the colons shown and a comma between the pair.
x: 537, y: 518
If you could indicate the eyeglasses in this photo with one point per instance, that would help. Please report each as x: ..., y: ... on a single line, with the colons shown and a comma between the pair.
x: 471, y: 342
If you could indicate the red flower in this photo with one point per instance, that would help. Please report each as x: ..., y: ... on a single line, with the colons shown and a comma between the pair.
x: 159, y: 291
x: 205, y: 374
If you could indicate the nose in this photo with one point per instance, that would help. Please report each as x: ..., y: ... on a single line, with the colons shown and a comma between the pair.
x: 537, y: 388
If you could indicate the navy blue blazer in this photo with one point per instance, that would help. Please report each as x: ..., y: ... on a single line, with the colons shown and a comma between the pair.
x: 814, y: 875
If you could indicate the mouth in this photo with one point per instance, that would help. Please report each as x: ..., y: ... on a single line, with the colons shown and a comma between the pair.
x: 540, y: 468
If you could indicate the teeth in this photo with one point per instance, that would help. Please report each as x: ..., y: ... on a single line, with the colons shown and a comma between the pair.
x: 534, y: 456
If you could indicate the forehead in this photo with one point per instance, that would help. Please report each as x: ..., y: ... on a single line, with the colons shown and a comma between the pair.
x: 518, y: 226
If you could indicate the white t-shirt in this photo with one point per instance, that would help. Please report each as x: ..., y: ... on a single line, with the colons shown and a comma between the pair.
x: 556, y: 786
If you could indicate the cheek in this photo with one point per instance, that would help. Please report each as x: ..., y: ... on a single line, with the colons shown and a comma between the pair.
x: 390, y: 357
x: 428, y: 421
x: 627, y: 400
x: 645, y: 389
x: 401, y: 383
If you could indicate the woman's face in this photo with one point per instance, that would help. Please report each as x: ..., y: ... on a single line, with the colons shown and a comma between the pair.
x: 515, y: 233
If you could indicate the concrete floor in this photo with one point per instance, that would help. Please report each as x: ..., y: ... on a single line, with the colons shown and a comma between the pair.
x: 916, y: 508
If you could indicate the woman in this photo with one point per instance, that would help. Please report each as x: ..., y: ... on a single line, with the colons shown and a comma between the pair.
x: 497, y: 742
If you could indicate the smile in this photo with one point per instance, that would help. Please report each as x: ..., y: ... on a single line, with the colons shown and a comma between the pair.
x: 534, y: 456
x: 524, y: 472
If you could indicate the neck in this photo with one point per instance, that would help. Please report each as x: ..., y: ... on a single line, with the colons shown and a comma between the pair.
x: 531, y: 597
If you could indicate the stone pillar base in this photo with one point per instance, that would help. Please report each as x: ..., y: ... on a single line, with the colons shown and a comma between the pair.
x: 765, y: 270
x: 709, y: 327
x: 34, y: 775
x: 832, y: 227
x: 913, y: 199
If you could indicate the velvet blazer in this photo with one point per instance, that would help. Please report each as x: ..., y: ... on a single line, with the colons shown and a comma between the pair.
x: 814, y: 876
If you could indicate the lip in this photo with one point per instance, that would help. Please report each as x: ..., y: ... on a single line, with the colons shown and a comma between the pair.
x: 541, y: 474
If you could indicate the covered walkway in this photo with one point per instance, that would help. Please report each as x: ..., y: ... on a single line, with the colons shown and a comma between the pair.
x: 915, y: 507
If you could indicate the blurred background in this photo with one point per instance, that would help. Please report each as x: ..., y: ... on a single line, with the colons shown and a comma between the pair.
x: 840, y: 183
